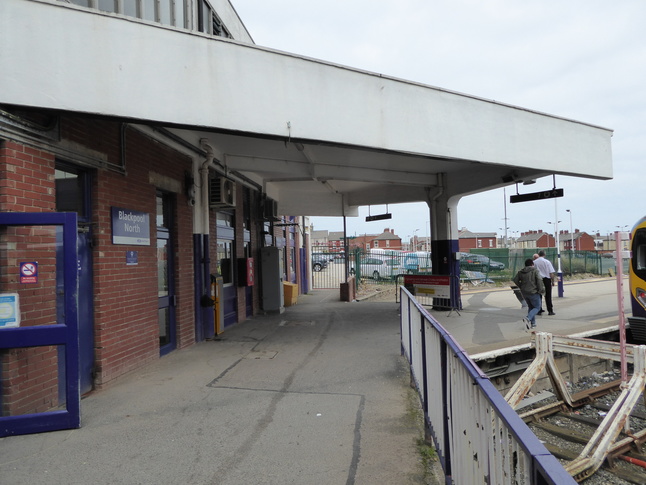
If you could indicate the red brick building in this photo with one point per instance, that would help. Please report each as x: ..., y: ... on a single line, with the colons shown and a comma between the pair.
x: 477, y: 240
x: 579, y: 241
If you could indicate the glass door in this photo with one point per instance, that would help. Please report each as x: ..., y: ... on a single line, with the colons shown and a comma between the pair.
x: 73, y: 195
x: 39, y: 340
x: 165, y: 276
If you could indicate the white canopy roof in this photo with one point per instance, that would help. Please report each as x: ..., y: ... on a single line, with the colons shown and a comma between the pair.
x: 321, y: 139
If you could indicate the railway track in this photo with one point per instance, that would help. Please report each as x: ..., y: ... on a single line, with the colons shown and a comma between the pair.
x: 565, y: 431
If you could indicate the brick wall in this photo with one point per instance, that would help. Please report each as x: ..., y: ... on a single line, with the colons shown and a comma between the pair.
x: 29, y: 376
x: 26, y: 179
x: 125, y: 296
x: 126, y: 319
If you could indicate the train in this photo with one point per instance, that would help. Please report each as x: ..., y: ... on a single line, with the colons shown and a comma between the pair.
x: 637, y: 279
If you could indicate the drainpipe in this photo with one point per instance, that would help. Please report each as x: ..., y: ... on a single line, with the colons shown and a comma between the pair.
x: 207, y: 309
x: 204, y: 174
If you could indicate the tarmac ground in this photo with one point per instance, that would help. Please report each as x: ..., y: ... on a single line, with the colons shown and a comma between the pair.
x: 319, y: 394
x: 491, y: 319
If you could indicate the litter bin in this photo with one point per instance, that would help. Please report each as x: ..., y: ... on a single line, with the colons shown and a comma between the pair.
x: 290, y: 290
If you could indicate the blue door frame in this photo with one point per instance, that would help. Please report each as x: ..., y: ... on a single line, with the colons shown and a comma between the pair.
x: 63, y: 334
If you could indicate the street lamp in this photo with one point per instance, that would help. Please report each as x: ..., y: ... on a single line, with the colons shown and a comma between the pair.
x: 505, y: 241
x: 559, y: 272
x: 556, y: 234
x: 571, y: 233
x: 415, y: 239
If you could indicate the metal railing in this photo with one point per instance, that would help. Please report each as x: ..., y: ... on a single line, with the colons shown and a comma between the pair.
x: 479, y: 438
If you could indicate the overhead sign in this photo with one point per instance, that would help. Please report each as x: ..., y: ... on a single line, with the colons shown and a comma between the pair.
x: 547, y: 194
x: 130, y: 227
x: 379, y: 217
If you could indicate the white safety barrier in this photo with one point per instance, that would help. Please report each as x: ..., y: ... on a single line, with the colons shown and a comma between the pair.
x: 478, y: 437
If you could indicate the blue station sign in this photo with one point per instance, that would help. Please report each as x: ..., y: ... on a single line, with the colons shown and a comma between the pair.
x: 130, y: 227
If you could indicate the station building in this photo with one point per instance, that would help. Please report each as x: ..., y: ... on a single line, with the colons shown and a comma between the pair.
x: 149, y: 263
x: 179, y: 146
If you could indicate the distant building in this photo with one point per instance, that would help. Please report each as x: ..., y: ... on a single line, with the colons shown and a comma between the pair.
x: 535, y: 239
x: 421, y: 243
x: 387, y: 240
x: 579, y: 241
x: 476, y: 240
x: 319, y: 241
x: 608, y: 242
x: 333, y: 242
x: 362, y: 242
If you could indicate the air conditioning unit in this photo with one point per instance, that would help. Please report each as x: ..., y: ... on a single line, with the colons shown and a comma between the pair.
x: 222, y: 193
x: 270, y: 209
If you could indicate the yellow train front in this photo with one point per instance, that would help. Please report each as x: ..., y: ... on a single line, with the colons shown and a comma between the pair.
x: 638, y: 281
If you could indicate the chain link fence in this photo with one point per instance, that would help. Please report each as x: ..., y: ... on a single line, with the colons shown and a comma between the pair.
x: 493, y: 266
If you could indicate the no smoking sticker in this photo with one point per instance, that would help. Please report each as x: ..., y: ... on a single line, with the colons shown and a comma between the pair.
x: 29, y: 272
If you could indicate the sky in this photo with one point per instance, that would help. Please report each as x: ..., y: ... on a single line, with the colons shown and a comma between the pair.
x: 582, y: 59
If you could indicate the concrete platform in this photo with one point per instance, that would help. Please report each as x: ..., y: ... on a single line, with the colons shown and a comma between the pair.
x: 491, y: 319
x: 317, y: 395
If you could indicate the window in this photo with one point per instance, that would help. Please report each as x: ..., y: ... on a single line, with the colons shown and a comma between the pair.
x: 70, y: 190
x: 148, y: 10
x: 107, y: 5
x: 224, y: 219
x: 179, y: 14
x: 292, y: 262
x: 209, y: 22
x: 82, y: 3
x: 130, y: 9
x: 246, y: 208
x: 225, y: 261
x: 166, y: 12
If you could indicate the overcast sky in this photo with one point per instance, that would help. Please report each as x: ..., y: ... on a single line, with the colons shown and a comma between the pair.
x: 581, y: 59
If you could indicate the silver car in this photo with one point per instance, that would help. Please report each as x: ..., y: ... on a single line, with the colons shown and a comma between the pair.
x: 377, y: 267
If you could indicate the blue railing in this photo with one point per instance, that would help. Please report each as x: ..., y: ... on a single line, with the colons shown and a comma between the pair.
x: 478, y: 437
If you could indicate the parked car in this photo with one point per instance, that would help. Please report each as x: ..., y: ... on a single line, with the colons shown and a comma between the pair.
x: 479, y: 262
x: 377, y: 267
x: 624, y: 254
x: 319, y: 262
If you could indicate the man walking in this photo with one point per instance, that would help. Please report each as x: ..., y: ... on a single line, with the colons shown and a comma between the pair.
x: 547, y: 272
x: 531, y: 286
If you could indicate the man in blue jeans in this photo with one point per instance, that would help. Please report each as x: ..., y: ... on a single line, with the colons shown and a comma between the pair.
x: 530, y: 283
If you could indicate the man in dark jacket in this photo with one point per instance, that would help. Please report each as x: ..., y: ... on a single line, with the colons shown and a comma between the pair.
x: 530, y: 283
